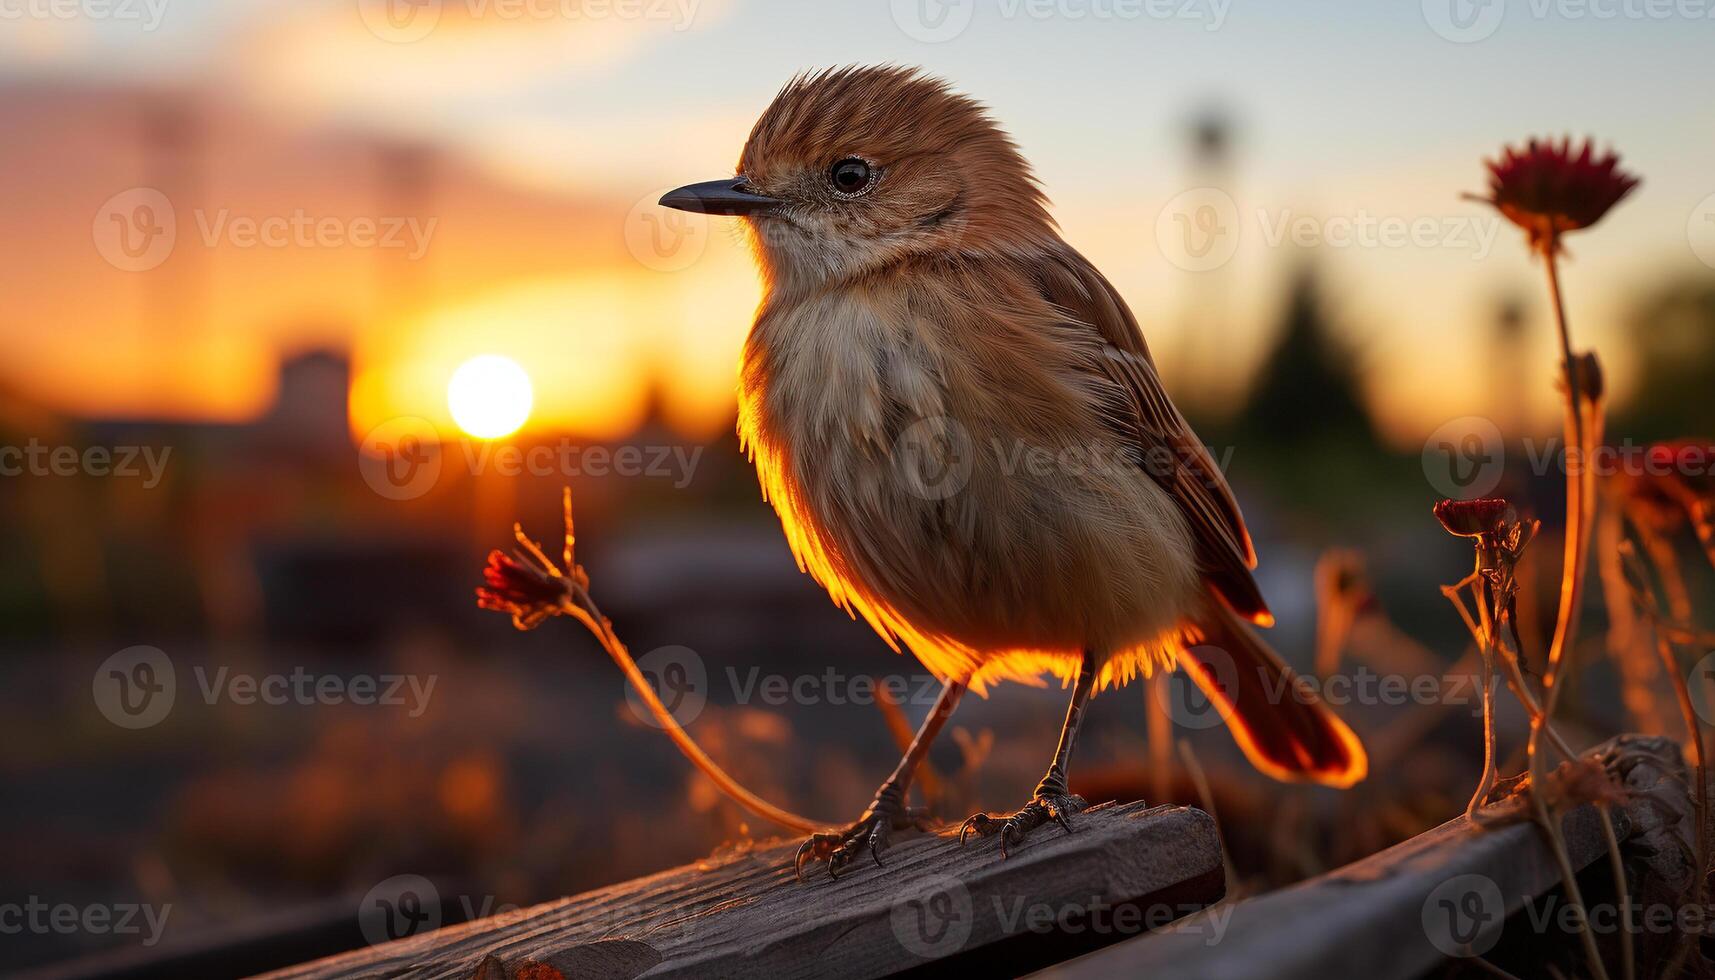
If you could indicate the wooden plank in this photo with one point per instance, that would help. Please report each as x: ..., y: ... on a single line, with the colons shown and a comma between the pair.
x: 1127, y: 868
x: 1443, y: 894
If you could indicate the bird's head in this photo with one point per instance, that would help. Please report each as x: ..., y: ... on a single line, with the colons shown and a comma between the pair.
x: 852, y: 169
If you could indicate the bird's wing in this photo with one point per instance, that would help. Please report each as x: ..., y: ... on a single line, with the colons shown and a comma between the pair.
x: 1141, y: 411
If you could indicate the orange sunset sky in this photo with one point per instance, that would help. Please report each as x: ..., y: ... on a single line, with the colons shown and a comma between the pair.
x: 516, y: 151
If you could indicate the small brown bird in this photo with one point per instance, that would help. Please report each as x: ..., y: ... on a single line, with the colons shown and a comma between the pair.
x: 965, y: 437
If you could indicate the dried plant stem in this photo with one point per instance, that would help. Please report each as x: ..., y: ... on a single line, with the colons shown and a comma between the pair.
x: 1486, y: 646
x: 1617, y: 866
x: 1201, y: 781
x: 1160, y: 726
x: 1571, y: 594
x: 1683, y: 691
x: 1568, y: 877
x: 580, y: 607
x: 1509, y: 659
x: 578, y: 604
x: 1644, y: 599
x: 1577, y: 529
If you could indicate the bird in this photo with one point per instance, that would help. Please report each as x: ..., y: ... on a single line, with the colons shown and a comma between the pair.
x: 968, y: 444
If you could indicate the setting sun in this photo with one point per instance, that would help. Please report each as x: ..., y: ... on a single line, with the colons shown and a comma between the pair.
x: 489, y: 396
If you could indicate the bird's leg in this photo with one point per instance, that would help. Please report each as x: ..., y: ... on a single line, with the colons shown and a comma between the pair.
x: 888, y: 811
x: 1052, y: 800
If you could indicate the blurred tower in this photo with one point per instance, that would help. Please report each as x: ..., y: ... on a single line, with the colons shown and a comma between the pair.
x: 173, y: 145
x: 405, y: 190
x: 1508, y: 353
x: 1204, y: 320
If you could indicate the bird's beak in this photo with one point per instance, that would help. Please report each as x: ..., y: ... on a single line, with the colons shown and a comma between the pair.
x: 728, y: 196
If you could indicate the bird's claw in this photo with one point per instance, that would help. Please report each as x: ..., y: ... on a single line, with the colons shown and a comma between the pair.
x: 872, y: 832
x: 1014, y: 827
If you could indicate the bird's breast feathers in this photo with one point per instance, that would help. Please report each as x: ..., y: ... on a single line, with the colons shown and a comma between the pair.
x: 937, y: 456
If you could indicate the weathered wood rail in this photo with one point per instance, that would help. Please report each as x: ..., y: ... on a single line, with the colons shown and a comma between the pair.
x: 1129, y: 894
x: 1443, y: 895
x: 936, y: 904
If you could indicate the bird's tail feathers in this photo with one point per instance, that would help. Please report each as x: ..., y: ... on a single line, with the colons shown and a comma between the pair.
x: 1283, y: 727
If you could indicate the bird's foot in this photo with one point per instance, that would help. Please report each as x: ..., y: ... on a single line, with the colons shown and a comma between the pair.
x: 1014, y: 827
x: 871, y: 833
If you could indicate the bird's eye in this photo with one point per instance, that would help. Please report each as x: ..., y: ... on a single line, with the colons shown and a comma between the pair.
x: 851, y: 176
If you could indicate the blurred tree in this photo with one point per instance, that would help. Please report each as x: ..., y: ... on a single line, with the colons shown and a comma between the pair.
x: 1306, y: 395
x: 1672, y: 331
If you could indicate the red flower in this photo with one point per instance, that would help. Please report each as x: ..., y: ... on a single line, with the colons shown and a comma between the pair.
x: 1474, y: 518
x: 1550, y: 189
x: 1678, y: 481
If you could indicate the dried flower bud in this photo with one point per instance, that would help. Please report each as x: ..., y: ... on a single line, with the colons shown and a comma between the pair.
x: 1474, y: 518
x: 521, y: 587
x: 1588, y: 370
x: 1585, y: 781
